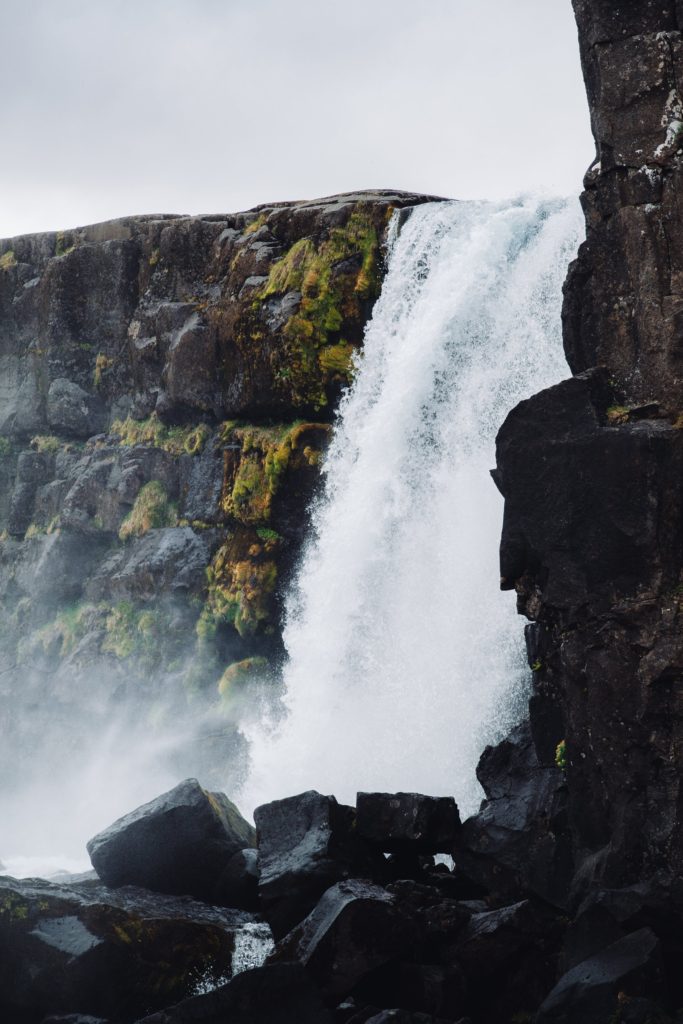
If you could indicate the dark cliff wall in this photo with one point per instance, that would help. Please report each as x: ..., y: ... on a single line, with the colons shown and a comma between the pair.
x: 624, y: 300
x: 167, y: 386
x: 592, y: 470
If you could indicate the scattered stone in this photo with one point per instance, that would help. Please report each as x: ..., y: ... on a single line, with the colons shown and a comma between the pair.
x: 179, y: 843
x: 396, y: 822
x: 355, y: 928
x: 274, y: 994
x: 519, y: 842
x: 112, y: 953
x: 594, y: 990
x: 305, y: 844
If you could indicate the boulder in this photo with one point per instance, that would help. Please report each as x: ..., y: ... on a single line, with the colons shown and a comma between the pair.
x: 107, y: 953
x: 355, y: 928
x: 306, y: 843
x: 594, y: 991
x: 179, y: 843
x: 274, y: 994
x: 519, y: 842
x: 402, y: 822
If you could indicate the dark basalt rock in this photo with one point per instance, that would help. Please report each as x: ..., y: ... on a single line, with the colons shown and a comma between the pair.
x: 395, y: 822
x: 623, y: 296
x: 238, y: 883
x: 436, y: 990
x: 179, y: 843
x: 306, y: 843
x: 405, y: 1017
x: 592, y: 544
x: 73, y: 1018
x: 595, y: 990
x: 355, y: 928
x: 274, y: 994
x: 519, y: 842
x: 106, y: 953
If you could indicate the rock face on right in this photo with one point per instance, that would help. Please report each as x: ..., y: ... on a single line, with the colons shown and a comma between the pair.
x: 591, y: 471
x: 624, y: 298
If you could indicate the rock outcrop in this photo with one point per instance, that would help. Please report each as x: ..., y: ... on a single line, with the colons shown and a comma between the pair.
x: 591, y: 475
x: 166, y: 391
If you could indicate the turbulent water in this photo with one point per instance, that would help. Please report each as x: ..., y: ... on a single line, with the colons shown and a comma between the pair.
x: 404, y: 657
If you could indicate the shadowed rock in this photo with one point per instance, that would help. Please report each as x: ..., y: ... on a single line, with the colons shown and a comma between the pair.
x: 355, y: 928
x: 275, y: 994
x: 306, y: 843
x: 178, y: 843
x: 595, y: 990
x: 108, y: 953
x: 396, y: 822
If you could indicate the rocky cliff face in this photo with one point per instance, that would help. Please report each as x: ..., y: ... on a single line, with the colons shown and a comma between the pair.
x: 591, y: 472
x: 166, y: 390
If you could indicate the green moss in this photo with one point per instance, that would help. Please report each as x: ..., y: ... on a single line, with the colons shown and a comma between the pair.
x: 14, y: 907
x: 67, y: 630
x: 265, y: 534
x: 152, y: 510
x: 266, y: 454
x: 64, y: 243
x: 175, y: 440
x: 241, y: 581
x: 617, y: 414
x: 121, y: 625
x: 33, y: 531
x: 239, y: 675
x: 256, y: 224
x: 8, y: 260
x: 195, y: 440
x: 561, y: 755
x: 335, y: 279
x: 102, y: 364
x: 154, y: 257
x: 46, y: 443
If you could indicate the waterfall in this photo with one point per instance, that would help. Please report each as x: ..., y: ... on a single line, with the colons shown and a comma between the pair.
x: 404, y: 659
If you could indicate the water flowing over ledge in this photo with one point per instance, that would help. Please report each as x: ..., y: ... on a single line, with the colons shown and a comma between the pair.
x: 404, y: 657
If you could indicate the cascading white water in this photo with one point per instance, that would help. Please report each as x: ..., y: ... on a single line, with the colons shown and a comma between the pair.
x: 404, y: 657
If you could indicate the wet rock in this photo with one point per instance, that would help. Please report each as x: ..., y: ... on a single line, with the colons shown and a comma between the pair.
x: 238, y: 883
x: 422, y: 988
x: 405, y: 1017
x: 108, y: 953
x: 519, y: 842
x: 398, y: 822
x: 178, y: 843
x: 72, y: 411
x: 354, y: 929
x: 73, y: 1018
x: 595, y: 990
x: 274, y: 994
x: 306, y: 843
x: 169, y: 560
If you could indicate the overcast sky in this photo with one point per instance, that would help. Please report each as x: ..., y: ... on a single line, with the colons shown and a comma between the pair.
x: 112, y: 107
